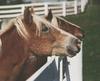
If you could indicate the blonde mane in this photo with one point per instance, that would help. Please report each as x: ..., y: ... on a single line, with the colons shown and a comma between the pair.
x: 21, y: 28
x: 38, y: 21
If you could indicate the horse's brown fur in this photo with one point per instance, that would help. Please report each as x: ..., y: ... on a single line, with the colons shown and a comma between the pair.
x: 12, y: 57
x: 66, y: 26
x: 20, y: 57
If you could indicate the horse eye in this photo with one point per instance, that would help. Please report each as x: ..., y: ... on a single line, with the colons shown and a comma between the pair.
x: 45, y: 29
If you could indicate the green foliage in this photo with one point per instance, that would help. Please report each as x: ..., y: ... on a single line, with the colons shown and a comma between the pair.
x: 90, y: 23
x: 3, y: 2
x: 10, y: 2
x: 94, y: 2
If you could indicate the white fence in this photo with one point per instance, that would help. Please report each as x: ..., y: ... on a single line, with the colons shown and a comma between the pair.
x: 61, y: 8
x: 58, y: 69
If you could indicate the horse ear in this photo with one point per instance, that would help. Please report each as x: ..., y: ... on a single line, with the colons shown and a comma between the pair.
x: 27, y: 16
x: 50, y: 15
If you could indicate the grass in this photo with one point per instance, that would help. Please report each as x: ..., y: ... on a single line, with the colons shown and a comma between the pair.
x: 90, y: 23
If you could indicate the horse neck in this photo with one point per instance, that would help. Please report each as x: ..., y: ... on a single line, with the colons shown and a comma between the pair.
x: 31, y: 66
x: 12, y: 43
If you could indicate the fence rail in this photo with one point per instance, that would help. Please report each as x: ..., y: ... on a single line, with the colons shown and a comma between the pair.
x: 60, y: 69
x: 62, y: 8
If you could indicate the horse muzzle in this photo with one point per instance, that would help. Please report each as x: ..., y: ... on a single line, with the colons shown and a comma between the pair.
x: 72, y: 52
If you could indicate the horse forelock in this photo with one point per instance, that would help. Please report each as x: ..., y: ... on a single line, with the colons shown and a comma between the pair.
x: 22, y: 29
x: 38, y: 22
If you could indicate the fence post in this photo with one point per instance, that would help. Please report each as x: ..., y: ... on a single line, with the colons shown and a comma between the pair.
x: 22, y: 8
x: 61, y: 70
x: 75, y: 67
x: 75, y: 7
x: 86, y: 1
x: 46, y: 8
x: 82, y: 5
x: 64, y: 8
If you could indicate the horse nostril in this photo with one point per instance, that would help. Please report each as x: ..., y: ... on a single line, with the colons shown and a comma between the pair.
x: 78, y: 42
x: 78, y: 45
x: 81, y: 34
x: 78, y: 49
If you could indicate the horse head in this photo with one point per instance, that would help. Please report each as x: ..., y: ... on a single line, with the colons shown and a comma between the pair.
x: 74, y: 43
x: 48, y: 38
x: 30, y: 34
x: 48, y: 35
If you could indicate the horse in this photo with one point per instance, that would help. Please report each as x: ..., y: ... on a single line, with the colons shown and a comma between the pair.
x: 65, y: 25
x: 68, y: 27
x: 31, y: 37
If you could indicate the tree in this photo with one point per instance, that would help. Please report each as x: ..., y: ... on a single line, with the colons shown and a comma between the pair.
x: 94, y: 2
x: 2, y: 2
x: 15, y: 1
x: 7, y: 2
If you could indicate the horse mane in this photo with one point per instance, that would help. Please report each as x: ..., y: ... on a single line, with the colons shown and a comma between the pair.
x: 38, y: 20
x: 21, y: 28
x: 67, y: 21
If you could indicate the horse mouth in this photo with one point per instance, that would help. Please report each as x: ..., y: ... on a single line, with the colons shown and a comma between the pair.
x: 59, y: 51
x: 62, y: 51
x: 72, y: 52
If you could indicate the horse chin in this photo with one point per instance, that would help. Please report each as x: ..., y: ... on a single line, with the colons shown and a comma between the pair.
x: 59, y: 51
x: 71, y: 54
